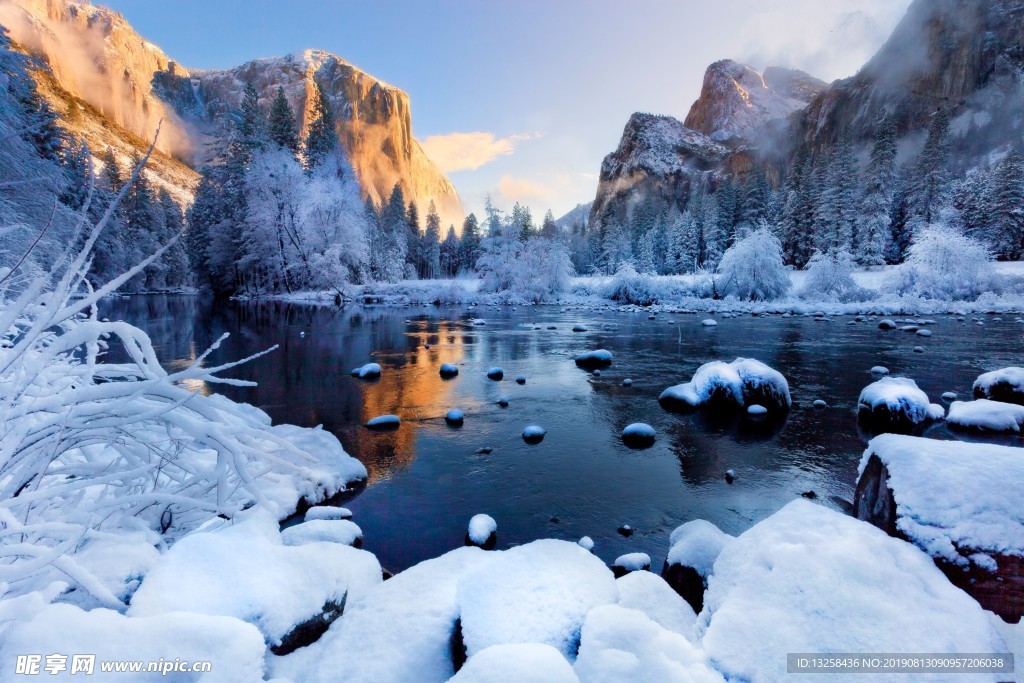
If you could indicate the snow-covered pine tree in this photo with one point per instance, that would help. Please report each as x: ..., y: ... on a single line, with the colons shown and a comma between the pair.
x: 281, y: 126
x: 432, y: 244
x: 753, y: 208
x: 174, y: 262
x: 413, y: 242
x: 645, y: 258
x: 450, y: 254
x: 500, y: 251
x: 77, y: 164
x: 874, y: 225
x: 723, y: 234
x: 929, y: 191
x: 716, y: 237
x: 252, y: 128
x: 797, y: 222
x: 616, y: 248
x: 1006, y: 208
x: 836, y: 211
x: 321, y: 136
x: 548, y: 228
x: 41, y: 127
x: 522, y: 218
x: 469, y: 247
x: 394, y: 226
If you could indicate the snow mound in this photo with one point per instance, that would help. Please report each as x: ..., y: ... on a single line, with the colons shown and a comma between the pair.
x: 384, y: 422
x: 952, y: 495
x: 400, y: 631
x: 495, y: 373
x: 342, y: 531
x: 368, y: 371
x: 894, y: 403
x: 480, y: 528
x: 235, y: 648
x: 620, y: 644
x: 650, y: 594
x: 449, y: 370
x: 741, y: 382
x: 697, y: 544
x: 517, y: 663
x: 639, y: 435
x: 534, y: 434
x: 594, y: 359
x: 984, y: 414
x: 243, y: 570
x: 632, y: 562
x: 455, y: 416
x: 756, y: 409
x: 809, y: 579
x: 535, y: 593
x: 1005, y: 384
x: 879, y: 370
x: 327, y: 512
x: 586, y: 542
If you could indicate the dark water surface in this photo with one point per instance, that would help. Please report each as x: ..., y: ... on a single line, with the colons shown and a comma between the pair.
x: 426, y: 479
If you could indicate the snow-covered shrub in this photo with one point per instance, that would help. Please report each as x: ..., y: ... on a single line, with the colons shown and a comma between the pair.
x: 89, y: 449
x: 543, y: 270
x: 753, y: 269
x: 944, y: 264
x: 829, y: 276
x: 630, y: 287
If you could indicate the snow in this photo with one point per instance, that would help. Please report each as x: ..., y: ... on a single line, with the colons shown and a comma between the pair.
x: 639, y: 433
x: 342, y: 531
x: 244, y: 570
x: 400, y: 631
x: 368, y: 371
x: 600, y: 357
x: 809, y: 579
x: 633, y: 562
x: 650, y: 594
x: 454, y: 416
x: 899, y: 397
x: 517, y: 663
x: 327, y: 512
x: 503, y: 400
x: 954, y: 495
x: 496, y: 373
x: 535, y: 593
x: 534, y: 432
x: 621, y: 644
x: 737, y: 382
x: 986, y: 415
x: 586, y: 542
x: 481, y: 527
x: 449, y: 370
x: 697, y: 544
x: 756, y: 409
x: 709, y: 322
x: 879, y: 370
x: 383, y: 421
x: 999, y: 384
x: 235, y: 648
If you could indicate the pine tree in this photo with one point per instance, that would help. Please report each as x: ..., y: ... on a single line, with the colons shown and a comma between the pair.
x: 251, y: 126
x: 754, y: 207
x: 1006, y: 217
x: 645, y: 260
x: 522, y: 219
x: 450, y: 252
x: 40, y: 119
x: 836, y: 210
x: 797, y: 222
x: 875, y: 222
x: 549, y: 228
x: 616, y: 248
x: 321, y: 138
x: 281, y: 128
x: 494, y: 221
x: 725, y: 231
x: 175, y: 262
x: 432, y: 244
x: 77, y: 168
x: 414, y: 242
x: 394, y: 225
x: 469, y: 247
x: 928, y: 194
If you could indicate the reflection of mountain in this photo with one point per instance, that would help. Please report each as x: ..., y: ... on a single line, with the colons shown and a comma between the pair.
x: 306, y: 379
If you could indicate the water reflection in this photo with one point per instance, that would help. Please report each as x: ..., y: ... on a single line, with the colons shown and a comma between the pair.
x: 427, y: 479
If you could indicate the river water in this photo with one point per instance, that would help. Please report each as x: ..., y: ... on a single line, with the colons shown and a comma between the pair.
x: 427, y: 478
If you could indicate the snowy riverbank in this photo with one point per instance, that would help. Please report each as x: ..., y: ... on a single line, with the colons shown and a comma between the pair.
x: 689, y: 294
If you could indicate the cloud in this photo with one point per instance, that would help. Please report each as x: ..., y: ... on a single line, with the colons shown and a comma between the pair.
x: 524, y: 190
x: 470, y: 151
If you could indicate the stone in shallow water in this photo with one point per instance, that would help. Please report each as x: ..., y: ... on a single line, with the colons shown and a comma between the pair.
x: 534, y: 434
x: 495, y: 373
x: 454, y: 417
x: 639, y: 435
x: 449, y: 370
x: 382, y: 422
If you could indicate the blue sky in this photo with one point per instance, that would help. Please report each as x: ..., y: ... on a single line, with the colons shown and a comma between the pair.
x: 527, y: 96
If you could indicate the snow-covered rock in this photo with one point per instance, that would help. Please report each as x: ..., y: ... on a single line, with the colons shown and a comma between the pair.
x: 327, y: 512
x: 368, y: 371
x: 495, y: 373
x: 342, y: 531
x: 631, y: 562
x: 534, y: 434
x: 448, y: 370
x: 454, y: 417
x: 622, y: 644
x: 235, y: 649
x: 579, y: 328
x: 887, y: 324
x: 586, y: 542
x: 742, y: 382
x: 503, y: 401
x: 400, y: 631
x: 650, y: 594
x: 1005, y: 384
x: 639, y: 435
x: 709, y: 322
x: 594, y: 359
x: 244, y: 570
x: 986, y: 415
x: 755, y: 409
x: 879, y: 370
x: 517, y: 663
x: 482, y: 531
x: 809, y: 579
x: 535, y: 593
x: 384, y: 422
x: 693, y: 549
x: 895, y: 404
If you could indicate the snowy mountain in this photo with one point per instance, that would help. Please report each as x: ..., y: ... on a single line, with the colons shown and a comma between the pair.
x: 576, y: 216
x: 96, y: 56
x: 736, y: 100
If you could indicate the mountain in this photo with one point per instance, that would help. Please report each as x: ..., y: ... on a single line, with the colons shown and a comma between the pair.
x: 961, y: 56
x: 575, y: 217
x: 95, y: 56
